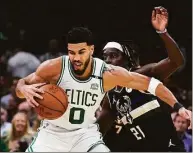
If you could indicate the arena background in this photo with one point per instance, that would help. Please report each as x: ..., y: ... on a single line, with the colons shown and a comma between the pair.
x: 32, y: 24
x: 109, y: 20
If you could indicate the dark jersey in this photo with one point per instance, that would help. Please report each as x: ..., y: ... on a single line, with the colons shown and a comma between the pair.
x: 149, y: 125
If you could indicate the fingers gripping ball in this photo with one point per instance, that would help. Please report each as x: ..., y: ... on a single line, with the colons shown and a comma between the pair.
x: 54, y: 102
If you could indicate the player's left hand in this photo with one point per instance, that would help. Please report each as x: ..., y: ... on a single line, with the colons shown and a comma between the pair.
x: 187, y: 114
x: 159, y: 18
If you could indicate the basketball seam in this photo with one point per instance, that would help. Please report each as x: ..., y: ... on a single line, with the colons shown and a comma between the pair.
x: 57, y: 99
x: 53, y: 84
x: 62, y: 92
x: 51, y: 108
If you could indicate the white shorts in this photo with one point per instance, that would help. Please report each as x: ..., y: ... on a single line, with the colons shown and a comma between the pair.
x: 51, y: 138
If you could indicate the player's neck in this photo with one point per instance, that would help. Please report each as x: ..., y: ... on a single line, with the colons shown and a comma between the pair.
x: 88, y: 71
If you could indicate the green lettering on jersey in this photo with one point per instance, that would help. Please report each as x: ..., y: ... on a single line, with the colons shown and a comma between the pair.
x: 81, y: 97
x: 73, y: 112
x: 87, y: 93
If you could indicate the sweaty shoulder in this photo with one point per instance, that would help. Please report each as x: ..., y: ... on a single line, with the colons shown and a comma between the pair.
x: 50, y: 70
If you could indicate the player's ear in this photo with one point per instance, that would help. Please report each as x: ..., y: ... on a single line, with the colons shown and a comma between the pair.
x: 92, y: 49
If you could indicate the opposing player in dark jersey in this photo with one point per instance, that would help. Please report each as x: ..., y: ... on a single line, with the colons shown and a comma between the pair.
x: 143, y: 122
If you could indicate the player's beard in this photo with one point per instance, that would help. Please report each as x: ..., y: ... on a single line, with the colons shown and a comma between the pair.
x: 81, y: 72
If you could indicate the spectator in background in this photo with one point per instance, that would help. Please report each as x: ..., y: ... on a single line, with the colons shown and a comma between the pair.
x: 182, y: 125
x: 4, y: 60
x: 5, y: 126
x: 3, y: 146
x: 53, y: 51
x: 11, y: 95
x: 12, y: 108
x: 26, y: 108
x: 20, y: 135
x: 34, y: 118
x: 190, y: 127
x: 36, y: 123
x: 22, y: 63
x: 11, y: 101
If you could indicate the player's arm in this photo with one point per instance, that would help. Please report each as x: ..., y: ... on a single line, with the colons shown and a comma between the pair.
x: 175, y: 59
x: 106, y: 117
x: 46, y: 73
x: 114, y: 75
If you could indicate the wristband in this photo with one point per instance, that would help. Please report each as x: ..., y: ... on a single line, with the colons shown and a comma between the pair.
x: 160, y: 32
x: 153, y: 85
x: 177, y: 106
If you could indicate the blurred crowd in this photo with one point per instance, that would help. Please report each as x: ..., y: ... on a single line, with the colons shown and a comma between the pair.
x: 19, y: 122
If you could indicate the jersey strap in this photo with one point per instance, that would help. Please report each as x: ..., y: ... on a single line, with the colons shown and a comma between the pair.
x: 98, y: 74
x: 62, y: 70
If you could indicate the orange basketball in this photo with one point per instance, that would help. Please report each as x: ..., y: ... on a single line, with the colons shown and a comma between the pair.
x: 54, y: 102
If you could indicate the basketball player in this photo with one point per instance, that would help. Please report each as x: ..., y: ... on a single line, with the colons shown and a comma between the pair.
x: 85, y: 80
x: 143, y: 123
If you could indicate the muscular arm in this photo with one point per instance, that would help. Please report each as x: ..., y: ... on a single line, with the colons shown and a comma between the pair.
x: 45, y: 73
x: 167, y: 66
x: 106, y: 117
x: 30, y: 79
x: 175, y: 59
x: 114, y: 76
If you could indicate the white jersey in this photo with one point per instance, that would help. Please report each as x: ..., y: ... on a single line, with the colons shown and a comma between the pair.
x: 84, y: 97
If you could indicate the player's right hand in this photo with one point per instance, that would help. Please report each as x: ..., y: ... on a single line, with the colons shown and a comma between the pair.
x: 187, y: 114
x: 31, y: 91
x: 159, y: 18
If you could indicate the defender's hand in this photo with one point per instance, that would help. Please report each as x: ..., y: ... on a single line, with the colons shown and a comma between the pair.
x: 185, y: 113
x: 159, y: 18
x: 31, y: 91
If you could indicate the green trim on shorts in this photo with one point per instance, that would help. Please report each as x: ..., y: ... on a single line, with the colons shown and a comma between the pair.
x: 30, y: 147
x: 28, y: 150
x: 76, y: 79
x: 62, y: 73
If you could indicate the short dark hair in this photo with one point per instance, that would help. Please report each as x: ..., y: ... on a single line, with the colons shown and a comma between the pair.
x: 80, y: 35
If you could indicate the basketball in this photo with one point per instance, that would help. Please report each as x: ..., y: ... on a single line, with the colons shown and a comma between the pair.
x: 54, y: 102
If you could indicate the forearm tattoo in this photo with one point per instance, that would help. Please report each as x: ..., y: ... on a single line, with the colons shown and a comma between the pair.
x: 108, y: 68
